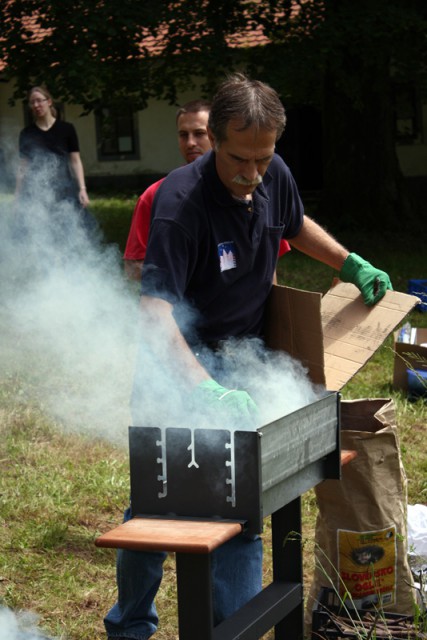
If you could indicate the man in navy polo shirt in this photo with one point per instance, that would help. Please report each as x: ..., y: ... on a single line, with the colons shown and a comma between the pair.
x: 213, y: 245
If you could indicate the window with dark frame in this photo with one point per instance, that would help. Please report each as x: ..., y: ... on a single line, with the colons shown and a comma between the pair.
x: 116, y: 132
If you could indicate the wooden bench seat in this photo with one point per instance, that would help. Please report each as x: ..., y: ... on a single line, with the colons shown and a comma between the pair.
x: 181, y: 536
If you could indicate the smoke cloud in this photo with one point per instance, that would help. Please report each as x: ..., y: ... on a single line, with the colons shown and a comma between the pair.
x: 69, y: 319
x: 70, y: 328
x: 19, y: 626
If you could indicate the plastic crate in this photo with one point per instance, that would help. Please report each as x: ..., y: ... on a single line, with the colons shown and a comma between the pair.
x: 332, y: 619
x: 419, y: 288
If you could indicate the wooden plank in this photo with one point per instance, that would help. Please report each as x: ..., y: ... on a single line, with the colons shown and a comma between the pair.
x: 181, y: 536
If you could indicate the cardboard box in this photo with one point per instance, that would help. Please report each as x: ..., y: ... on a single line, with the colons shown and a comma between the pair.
x: 409, y: 356
x: 332, y: 335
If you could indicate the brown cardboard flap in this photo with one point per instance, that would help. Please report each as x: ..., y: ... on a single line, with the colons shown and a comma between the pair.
x: 333, y: 336
x: 353, y: 332
x: 294, y: 325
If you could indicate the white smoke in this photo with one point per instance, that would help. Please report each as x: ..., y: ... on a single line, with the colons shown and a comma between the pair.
x: 69, y: 326
x: 21, y: 625
x: 69, y: 319
x: 278, y: 383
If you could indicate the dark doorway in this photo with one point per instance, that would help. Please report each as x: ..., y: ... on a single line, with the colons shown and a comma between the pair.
x: 301, y: 146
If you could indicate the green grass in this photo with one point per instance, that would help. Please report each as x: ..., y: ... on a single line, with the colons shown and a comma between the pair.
x: 59, y: 490
x: 114, y: 215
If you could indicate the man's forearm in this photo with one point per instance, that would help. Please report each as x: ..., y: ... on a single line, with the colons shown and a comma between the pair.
x: 319, y: 244
x: 160, y: 327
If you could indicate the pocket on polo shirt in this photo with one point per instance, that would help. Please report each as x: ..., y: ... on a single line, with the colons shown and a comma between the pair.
x: 275, y: 231
x: 275, y: 234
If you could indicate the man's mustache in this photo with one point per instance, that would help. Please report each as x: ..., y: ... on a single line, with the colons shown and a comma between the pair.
x: 247, y: 183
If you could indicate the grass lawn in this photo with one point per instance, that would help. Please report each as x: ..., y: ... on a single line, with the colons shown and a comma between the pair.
x: 60, y: 487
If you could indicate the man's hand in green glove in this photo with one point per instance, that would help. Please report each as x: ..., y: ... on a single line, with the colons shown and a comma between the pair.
x: 371, y: 282
x: 238, y: 404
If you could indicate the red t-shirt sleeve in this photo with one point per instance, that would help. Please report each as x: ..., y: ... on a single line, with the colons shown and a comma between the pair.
x: 284, y: 247
x: 136, y: 245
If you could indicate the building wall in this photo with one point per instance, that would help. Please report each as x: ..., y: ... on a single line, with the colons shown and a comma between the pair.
x: 158, y: 149
x: 157, y: 144
x: 11, y: 121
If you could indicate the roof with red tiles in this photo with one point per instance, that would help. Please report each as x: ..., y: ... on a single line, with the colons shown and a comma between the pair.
x: 151, y: 45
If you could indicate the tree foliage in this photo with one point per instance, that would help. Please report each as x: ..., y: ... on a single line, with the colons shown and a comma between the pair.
x: 87, y: 50
x: 97, y: 51
x: 346, y: 40
x: 343, y: 56
x: 349, y: 58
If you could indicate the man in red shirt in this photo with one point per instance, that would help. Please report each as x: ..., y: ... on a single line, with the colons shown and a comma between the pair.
x: 193, y: 141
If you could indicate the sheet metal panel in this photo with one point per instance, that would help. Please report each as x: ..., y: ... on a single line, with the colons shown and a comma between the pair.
x: 241, y: 475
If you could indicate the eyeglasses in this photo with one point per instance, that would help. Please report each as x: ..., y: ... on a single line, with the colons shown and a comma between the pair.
x: 40, y: 101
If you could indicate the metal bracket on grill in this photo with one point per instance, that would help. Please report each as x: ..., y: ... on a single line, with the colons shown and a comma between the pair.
x: 231, y: 465
x: 163, y: 477
x: 192, y: 447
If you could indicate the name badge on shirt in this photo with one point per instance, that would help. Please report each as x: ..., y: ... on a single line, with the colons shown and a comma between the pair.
x: 227, y: 255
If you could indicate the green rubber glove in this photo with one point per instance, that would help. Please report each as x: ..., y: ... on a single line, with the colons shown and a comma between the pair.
x: 371, y: 282
x: 237, y: 403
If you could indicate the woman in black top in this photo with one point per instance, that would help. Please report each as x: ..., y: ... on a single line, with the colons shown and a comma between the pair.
x: 51, y: 171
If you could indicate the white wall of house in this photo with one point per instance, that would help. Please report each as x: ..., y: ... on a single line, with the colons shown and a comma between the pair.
x: 158, y: 150
x: 157, y: 138
x: 11, y: 122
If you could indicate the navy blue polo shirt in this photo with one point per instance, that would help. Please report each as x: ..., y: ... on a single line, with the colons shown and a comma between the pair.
x: 216, y: 254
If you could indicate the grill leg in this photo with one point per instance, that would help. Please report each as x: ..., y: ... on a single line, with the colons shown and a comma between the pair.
x: 194, y: 585
x: 287, y: 564
x: 195, y: 606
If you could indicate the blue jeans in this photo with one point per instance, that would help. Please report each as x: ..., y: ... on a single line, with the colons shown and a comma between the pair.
x: 236, y: 565
x: 236, y: 576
